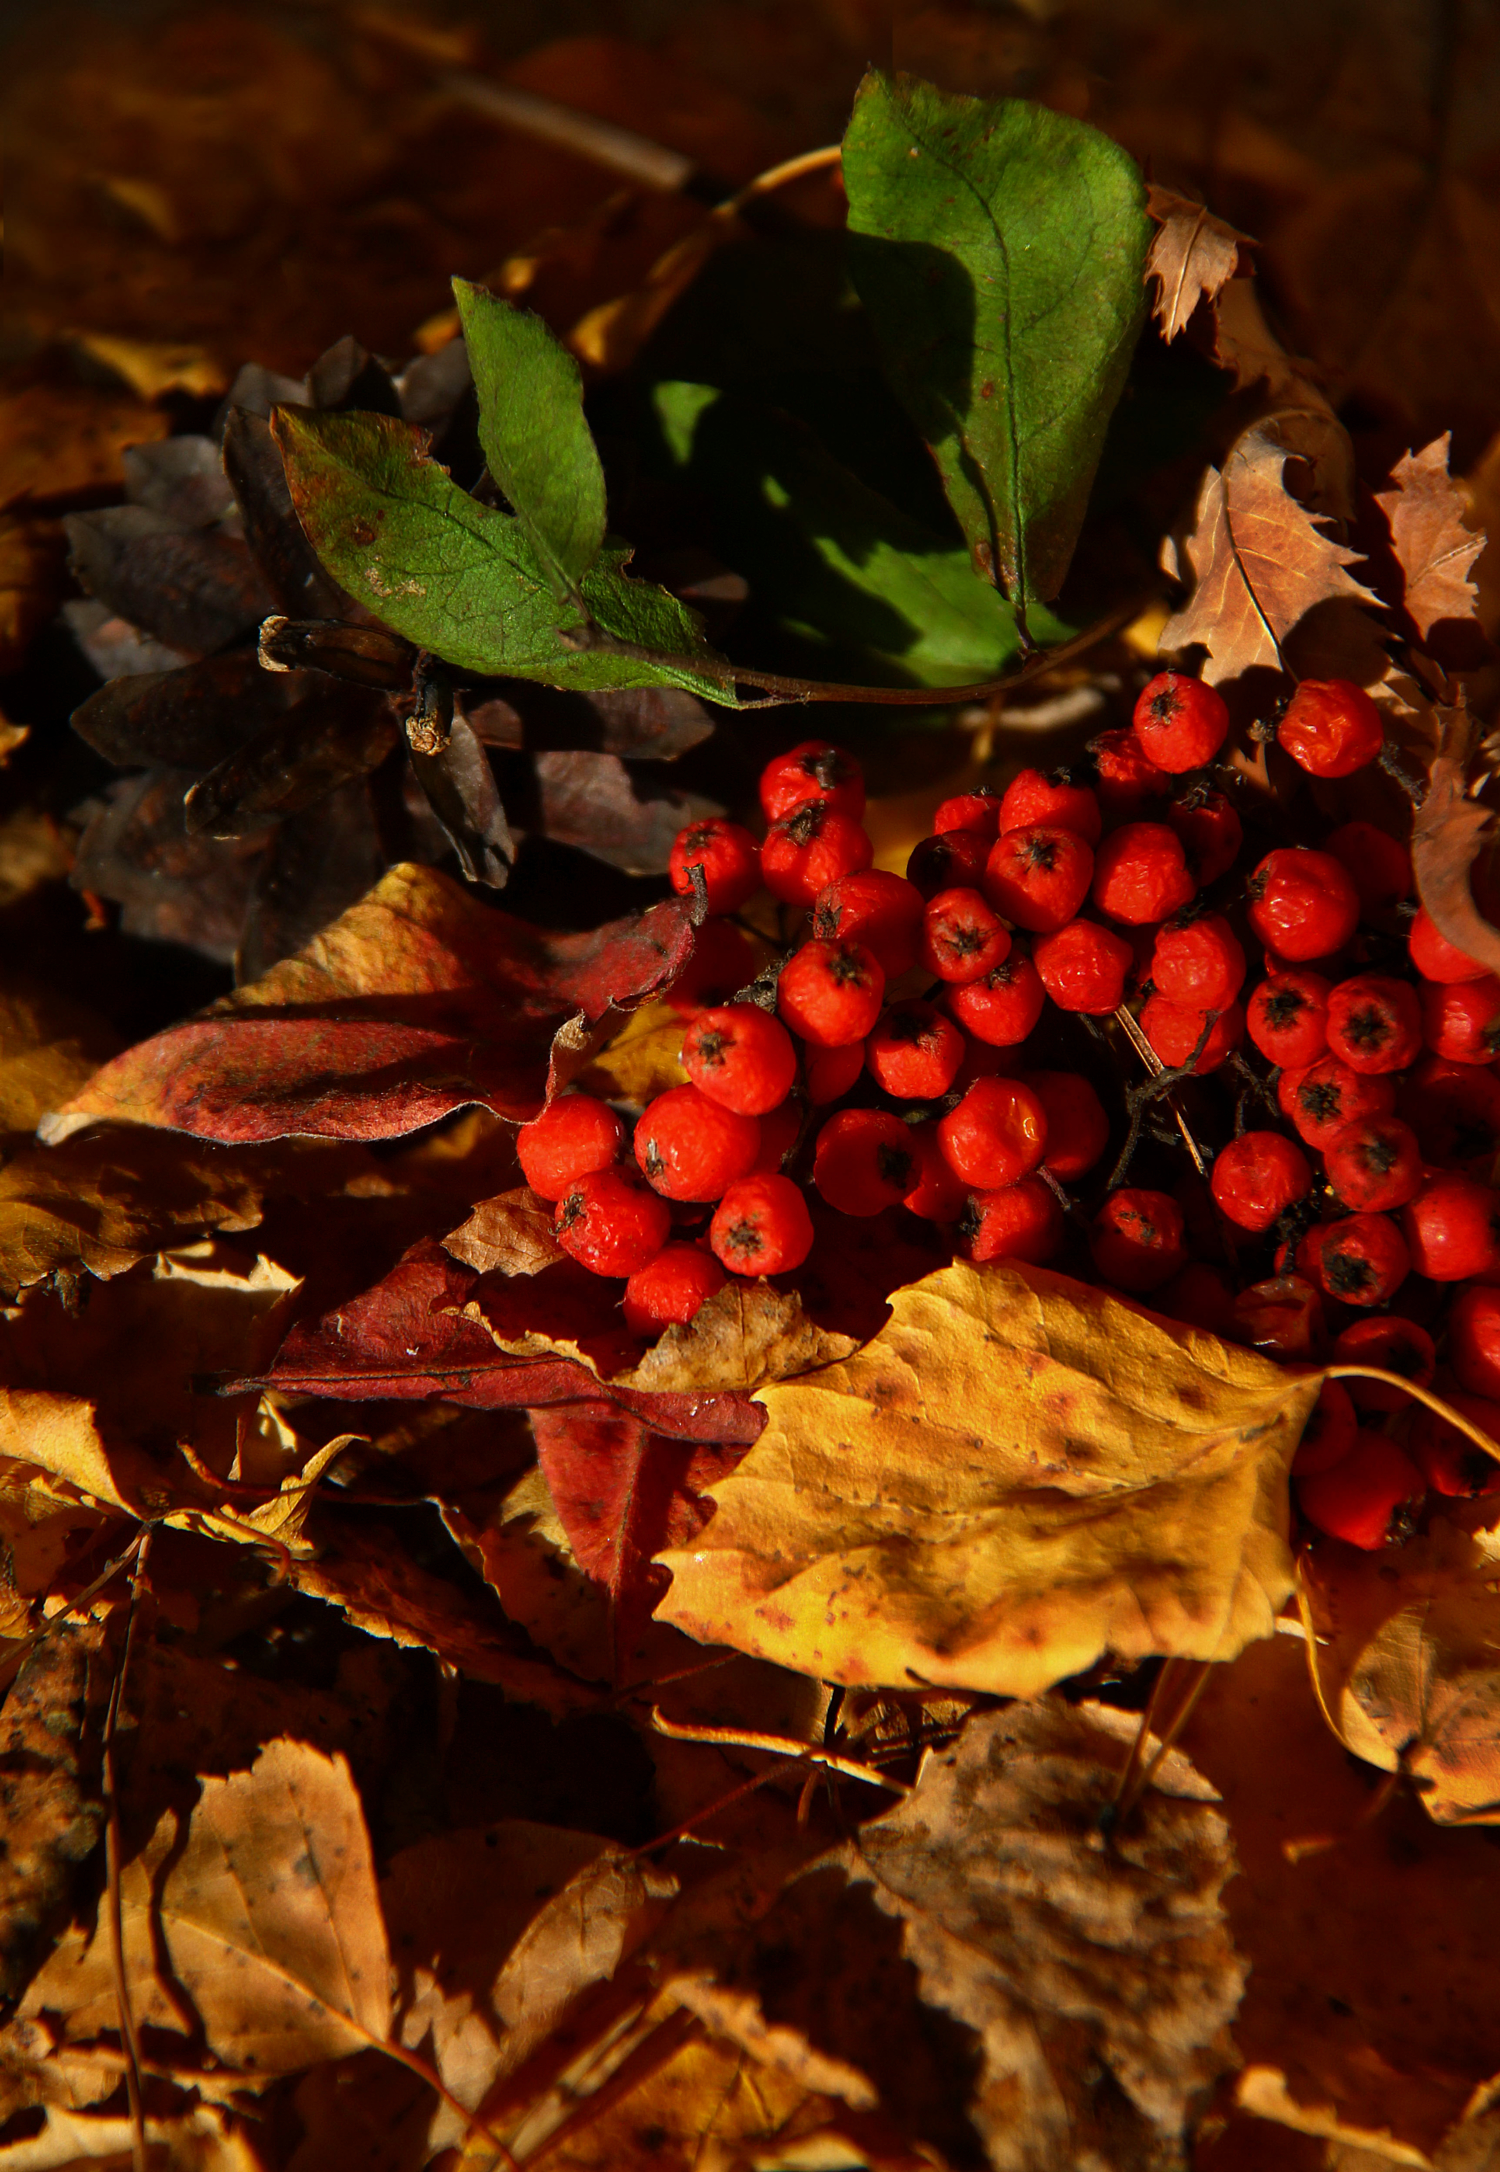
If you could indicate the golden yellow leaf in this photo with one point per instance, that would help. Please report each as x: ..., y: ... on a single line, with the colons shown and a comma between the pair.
x: 201, y: 2140
x: 48, y: 1047
x: 59, y: 441
x: 643, y: 1059
x: 1018, y: 1474
x: 152, y: 367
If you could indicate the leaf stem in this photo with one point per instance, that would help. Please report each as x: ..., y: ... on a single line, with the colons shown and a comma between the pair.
x: 778, y: 1746
x: 113, y: 1907
x: 1423, y: 1395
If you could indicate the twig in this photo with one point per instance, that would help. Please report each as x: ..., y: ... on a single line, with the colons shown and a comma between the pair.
x: 19, y: 1651
x: 777, y: 1745
x: 114, y: 1908
x: 1139, y: 1098
x: 1132, y: 1797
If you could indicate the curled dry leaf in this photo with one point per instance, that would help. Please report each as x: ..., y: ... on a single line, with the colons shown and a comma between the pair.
x: 745, y: 1335
x: 1017, y: 1475
x: 1193, y: 256
x: 1446, y: 838
x: 1434, y: 545
x: 508, y: 1235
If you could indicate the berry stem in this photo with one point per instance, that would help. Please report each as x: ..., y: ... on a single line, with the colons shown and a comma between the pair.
x: 1423, y: 1395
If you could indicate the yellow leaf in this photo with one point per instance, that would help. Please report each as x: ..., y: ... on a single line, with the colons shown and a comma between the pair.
x: 643, y: 1059
x: 48, y: 1048
x: 151, y: 368
x: 1019, y: 1474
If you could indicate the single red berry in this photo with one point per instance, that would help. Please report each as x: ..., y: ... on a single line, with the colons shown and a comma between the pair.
x: 1210, y: 832
x: 779, y: 1130
x: 810, y: 849
x: 1034, y: 801
x: 1002, y: 1008
x: 1077, y: 1126
x: 828, y: 1073
x: 1138, y: 1239
x: 1084, y: 967
x: 962, y: 937
x: 689, y: 1147
x: 863, y: 1161
x: 1474, y: 1339
x: 611, y: 1223
x: 1331, y: 728
x: 741, y: 1057
x: 937, y: 1193
x: 1435, y: 958
x: 812, y: 771
x: 1038, y: 878
x: 1257, y: 1177
x: 1319, y: 1099
x: 978, y: 811
x: 831, y: 993
x: 1453, y: 1464
x: 1375, y: 1023
x: 1461, y: 1021
x: 1302, y: 904
x: 722, y: 963
x: 573, y: 1135
x: 1283, y: 1318
x: 1361, y: 1260
x: 1127, y: 777
x: 1330, y: 1431
x: 761, y: 1227
x: 1395, y: 1346
x: 1452, y: 1227
x: 1454, y: 1109
x: 914, y: 1052
x: 1174, y: 1033
x: 669, y: 1289
x: 996, y: 1135
x: 1368, y: 1498
x: 1017, y: 1221
x: 1377, y: 865
x: 1180, y: 723
x: 1198, y: 964
x: 1374, y: 1164
x: 954, y: 861
x: 880, y: 910
x: 1141, y: 874
x: 728, y: 856
x: 1287, y: 1018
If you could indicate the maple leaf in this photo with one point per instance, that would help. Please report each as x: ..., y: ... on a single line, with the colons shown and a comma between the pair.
x: 1193, y: 256
x: 1434, y: 545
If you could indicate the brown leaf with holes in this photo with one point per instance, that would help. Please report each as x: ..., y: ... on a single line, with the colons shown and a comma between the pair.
x: 1434, y: 545
x: 1193, y: 256
x: 510, y: 1234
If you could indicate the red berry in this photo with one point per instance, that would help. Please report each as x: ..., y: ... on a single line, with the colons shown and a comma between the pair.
x: 722, y: 963
x: 1287, y: 1018
x: 1141, y: 874
x: 1378, y: 867
x: 728, y: 856
x: 1374, y: 1164
x: 741, y: 1057
x: 863, y: 1161
x: 1283, y: 1318
x: 1435, y: 958
x: 810, y: 849
x: 1018, y: 1221
x: 1319, y: 1100
x: 689, y: 1147
x: 1002, y: 1008
x: 1302, y: 904
x: 1180, y: 723
x: 813, y: 771
x: 1454, y: 1109
x: 1083, y: 967
x: 1452, y: 1464
x: 882, y: 911
x: 1374, y: 1023
x: 828, y: 1073
x: 1330, y: 1431
x: 1174, y: 1033
x: 1474, y: 1339
x: 1138, y: 1239
x: 937, y: 1193
x: 954, y: 861
x: 573, y: 1135
x: 1395, y: 1346
x: 611, y: 1223
x: 1361, y: 1260
x: 978, y: 811
x: 778, y: 1134
x: 1032, y: 800
x: 1077, y: 1127
x: 1210, y: 832
x: 1038, y: 878
x: 962, y: 937
x: 1461, y: 1021
x: 668, y: 1291
x: 761, y: 1227
x: 1257, y: 1177
x: 1452, y: 1227
x: 1367, y: 1498
x: 1331, y: 728
x: 996, y: 1135
x: 1199, y: 965
x: 914, y: 1052
x: 1127, y: 776
x: 831, y: 993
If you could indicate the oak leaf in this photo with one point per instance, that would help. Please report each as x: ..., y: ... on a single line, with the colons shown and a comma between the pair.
x: 1193, y: 256
x: 1017, y: 1475
x: 510, y: 1234
x: 1448, y: 832
x: 1434, y: 545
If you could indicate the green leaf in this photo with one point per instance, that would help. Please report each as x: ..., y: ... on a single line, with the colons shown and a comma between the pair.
x: 1000, y: 251
x: 831, y: 559
x: 531, y: 425
x: 461, y: 579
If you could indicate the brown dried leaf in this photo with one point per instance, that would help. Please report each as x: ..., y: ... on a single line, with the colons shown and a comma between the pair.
x: 49, y: 1046
x: 52, y: 1814
x: 33, y: 580
x: 745, y: 1335
x: 1434, y: 545
x: 202, y: 2140
x: 508, y: 1235
x: 59, y: 442
x: 1447, y: 835
x: 1192, y: 257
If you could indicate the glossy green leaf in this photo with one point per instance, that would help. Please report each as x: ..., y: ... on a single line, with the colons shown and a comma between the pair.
x: 1000, y: 251
x: 538, y: 446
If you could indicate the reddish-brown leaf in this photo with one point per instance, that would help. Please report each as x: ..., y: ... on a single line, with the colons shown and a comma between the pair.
x: 1445, y: 842
x: 510, y: 1234
x: 1434, y: 545
x: 1193, y: 256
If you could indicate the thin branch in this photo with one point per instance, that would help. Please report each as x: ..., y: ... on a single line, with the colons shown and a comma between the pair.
x: 114, y: 1911
x: 777, y: 1745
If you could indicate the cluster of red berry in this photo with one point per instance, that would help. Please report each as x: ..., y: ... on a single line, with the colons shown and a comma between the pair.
x: 909, y: 999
